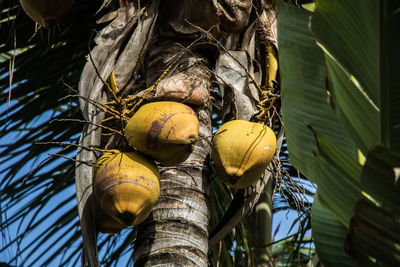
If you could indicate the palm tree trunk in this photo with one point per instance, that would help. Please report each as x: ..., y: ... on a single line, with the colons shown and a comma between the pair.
x: 177, y: 231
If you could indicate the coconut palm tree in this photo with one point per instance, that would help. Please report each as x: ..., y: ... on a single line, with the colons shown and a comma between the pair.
x: 176, y: 47
x: 52, y: 92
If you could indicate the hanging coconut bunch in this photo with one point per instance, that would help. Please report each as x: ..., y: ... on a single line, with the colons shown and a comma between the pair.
x: 165, y: 131
x: 242, y: 151
x: 46, y: 12
x: 126, y: 186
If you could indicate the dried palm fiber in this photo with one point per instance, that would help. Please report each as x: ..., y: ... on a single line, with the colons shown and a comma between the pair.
x: 187, y: 33
x: 104, y: 222
x: 242, y: 151
x: 191, y: 85
x: 46, y: 12
x: 123, y: 40
x: 126, y: 185
x: 165, y: 131
x: 188, y: 79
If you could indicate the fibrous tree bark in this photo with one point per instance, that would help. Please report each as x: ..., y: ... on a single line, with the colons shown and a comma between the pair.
x: 176, y: 234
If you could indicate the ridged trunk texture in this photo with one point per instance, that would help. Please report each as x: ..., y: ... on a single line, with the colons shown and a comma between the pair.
x: 176, y: 233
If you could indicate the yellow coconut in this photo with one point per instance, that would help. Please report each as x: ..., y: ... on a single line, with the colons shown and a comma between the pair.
x: 46, y: 12
x: 126, y: 185
x: 242, y: 151
x: 104, y: 222
x: 165, y: 131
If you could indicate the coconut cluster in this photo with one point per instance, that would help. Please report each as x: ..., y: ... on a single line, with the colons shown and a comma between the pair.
x: 126, y: 185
